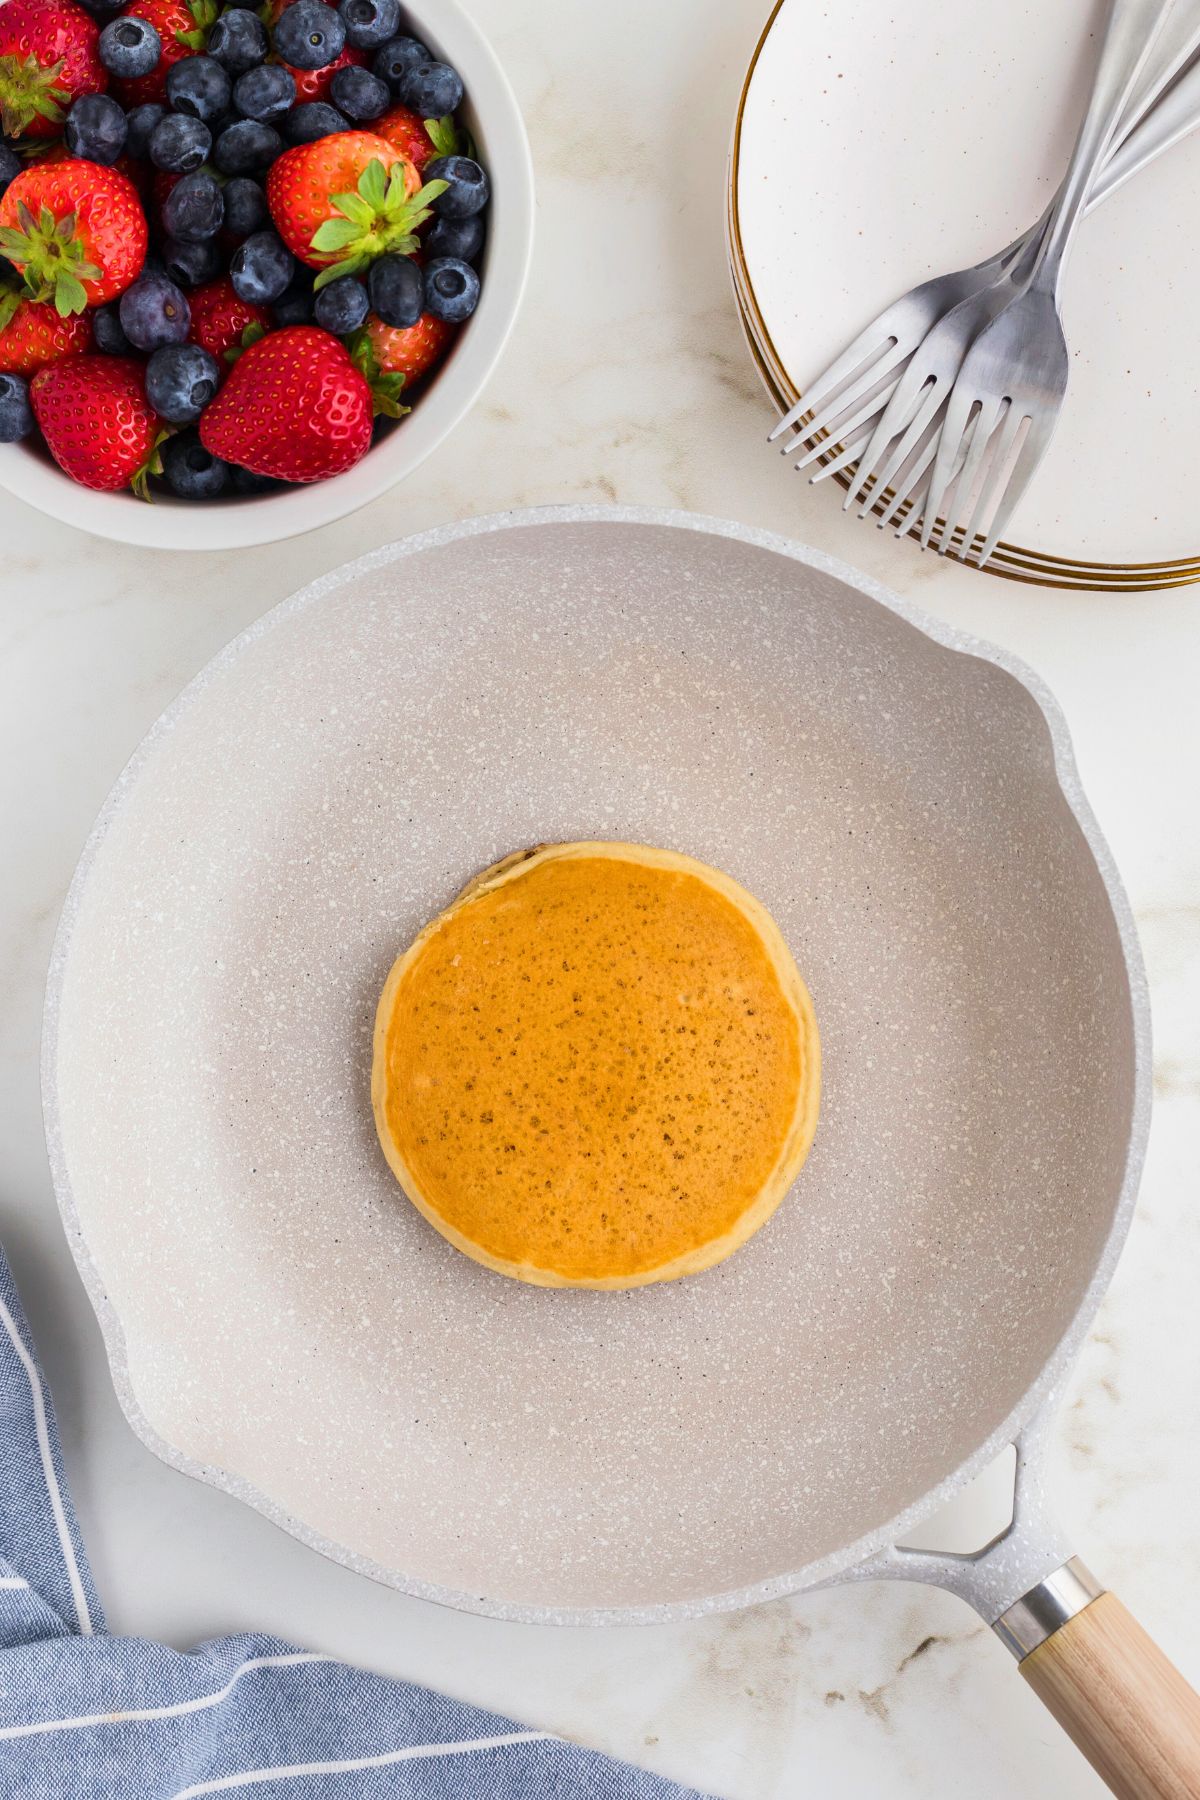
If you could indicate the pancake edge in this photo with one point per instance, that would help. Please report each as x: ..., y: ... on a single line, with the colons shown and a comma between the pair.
x: 801, y: 1132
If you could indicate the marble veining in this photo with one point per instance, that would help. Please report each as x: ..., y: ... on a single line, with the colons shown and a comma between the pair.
x: 627, y: 379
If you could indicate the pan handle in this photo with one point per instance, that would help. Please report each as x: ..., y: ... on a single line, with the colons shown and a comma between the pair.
x: 1104, y: 1679
x: 1108, y: 1684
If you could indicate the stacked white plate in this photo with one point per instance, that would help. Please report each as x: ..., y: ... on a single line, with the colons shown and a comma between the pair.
x: 875, y: 148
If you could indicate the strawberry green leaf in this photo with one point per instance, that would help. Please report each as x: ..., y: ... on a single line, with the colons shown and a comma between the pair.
x: 379, y: 220
x: 153, y: 465
x: 69, y: 296
x: 335, y: 234
x: 192, y: 40
x: 385, y: 396
x: 356, y: 207
x: 10, y: 298
x: 373, y: 186
x: 449, y: 138
x: 250, y: 335
x: 350, y: 265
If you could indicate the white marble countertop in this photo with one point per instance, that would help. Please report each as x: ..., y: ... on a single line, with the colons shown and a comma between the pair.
x: 627, y: 380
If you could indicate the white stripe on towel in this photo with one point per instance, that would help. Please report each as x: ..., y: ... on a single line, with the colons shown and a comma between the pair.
x: 13, y: 1581
x: 410, y: 1753
x: 83, y: 1616
x: 140, y: 1715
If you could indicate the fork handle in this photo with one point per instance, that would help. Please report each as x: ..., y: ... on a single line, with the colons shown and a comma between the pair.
x: 1132, y: 28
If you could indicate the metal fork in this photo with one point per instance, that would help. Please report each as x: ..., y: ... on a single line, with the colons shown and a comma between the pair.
x: 1006, y: 400
x: 865, y: 382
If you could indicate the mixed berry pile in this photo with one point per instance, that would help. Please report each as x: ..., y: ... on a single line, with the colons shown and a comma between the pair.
x: 232, y: 237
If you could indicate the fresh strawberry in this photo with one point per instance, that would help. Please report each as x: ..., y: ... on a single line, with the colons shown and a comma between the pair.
x: 183, y: 30
x: 412, y: 351
x: 293, y: 407
x: 33, y: 334
x: 406, y: 130
x: 140, y: 173
x: 48, y: 57
x: 314, y: 84
x: 339, y: 203
x: 97, y: 422
x: 75, y: 230
x: 219, y: 318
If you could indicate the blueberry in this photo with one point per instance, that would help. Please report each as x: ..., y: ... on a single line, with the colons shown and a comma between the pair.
x: 432, y: 89
x: 451, y: 289
x: 154, y: 312
x: 181, y: 379
x: 104, y: 9
x: 16, y: 414
x: 106, y: 329
x: 245, y: 481
x: 129, y: 47
x: 192, y: 471
x: 96, y: 129
x: 199, y: 87
x: 460, y: 238
x: 295, y: 305
x: 192, y: 262
x: 264, y: 94
x: 245, y: 206
x: 141, y: 122
x: 238, y: 40
x: 309, y: 35
x: 311, y: 120
x: 342, y: 306
x: 393, y: 61
x: 246, y: 148
x: 261, y: 268
x: 370, y: 23
x: 10, y: 166
x: 468, y: 191
x: 194, y: 209
x: 360, y: 94
x: 179, y: 144
x: 397, y: 290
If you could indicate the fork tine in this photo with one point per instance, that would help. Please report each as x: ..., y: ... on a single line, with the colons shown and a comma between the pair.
x: 870, y: 344
x: 918, y: 492
x: 907, y: 489
x: 863, y: 416
x: 848, y: 455
x: 985, y: 424
x: 991, y: 487
x: 927, y: 405
x: 850, y: 395
x: 946, y: 462
x: 1028, y: 457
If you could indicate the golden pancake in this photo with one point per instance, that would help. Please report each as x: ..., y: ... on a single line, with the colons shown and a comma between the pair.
x: 598, y: 1068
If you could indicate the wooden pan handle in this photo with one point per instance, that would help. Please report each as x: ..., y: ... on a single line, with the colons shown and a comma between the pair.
x: 1127, y: 1708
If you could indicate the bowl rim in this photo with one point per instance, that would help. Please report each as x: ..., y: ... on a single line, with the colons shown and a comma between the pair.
x: 173, y: 524
x: 1031, y: 1413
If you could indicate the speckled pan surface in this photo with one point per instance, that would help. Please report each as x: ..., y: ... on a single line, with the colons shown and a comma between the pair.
x: 283, y: 1323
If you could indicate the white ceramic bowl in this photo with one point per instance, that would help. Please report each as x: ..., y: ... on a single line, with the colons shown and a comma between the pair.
x: 494, y: 117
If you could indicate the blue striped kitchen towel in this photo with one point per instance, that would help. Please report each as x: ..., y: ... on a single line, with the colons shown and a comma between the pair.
x: 85, y: 1716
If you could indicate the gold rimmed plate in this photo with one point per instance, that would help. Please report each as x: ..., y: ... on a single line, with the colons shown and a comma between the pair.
x: 864, y: 161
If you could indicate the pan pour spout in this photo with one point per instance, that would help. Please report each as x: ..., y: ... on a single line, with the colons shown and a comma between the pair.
x: 1120, y: 1700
